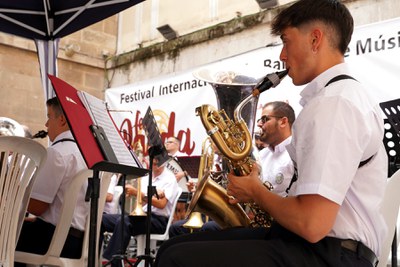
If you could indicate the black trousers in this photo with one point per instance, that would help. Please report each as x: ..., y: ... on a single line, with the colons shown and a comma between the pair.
x: 238, y: 247
x: 36, y: 236
x: 133, y: 225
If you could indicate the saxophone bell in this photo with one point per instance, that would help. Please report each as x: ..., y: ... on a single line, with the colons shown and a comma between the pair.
x: 206, y: 164
x: 231, y: 131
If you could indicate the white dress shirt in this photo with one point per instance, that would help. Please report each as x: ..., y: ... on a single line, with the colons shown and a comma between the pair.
x: 64, y: 161
x: 339, y: 126
x: 165, y: 181
x: 277, y: 166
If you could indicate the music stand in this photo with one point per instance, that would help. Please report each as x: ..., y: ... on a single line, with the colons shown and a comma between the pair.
x: 392, y: 145
x: 96, y: 150
x: 121, y: 257
x: 156, y: 148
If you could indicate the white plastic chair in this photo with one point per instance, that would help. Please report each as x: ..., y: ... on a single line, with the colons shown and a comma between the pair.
x: 141, y: 239
x: 390, y: 211
x: 52, y: 256
x: 20, y: 160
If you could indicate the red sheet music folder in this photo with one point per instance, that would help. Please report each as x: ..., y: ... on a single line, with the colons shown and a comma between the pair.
x: 79, y: 121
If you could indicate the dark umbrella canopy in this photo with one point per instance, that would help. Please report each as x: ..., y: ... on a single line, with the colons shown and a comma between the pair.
x: 46, y: 21
x: 51, y: 19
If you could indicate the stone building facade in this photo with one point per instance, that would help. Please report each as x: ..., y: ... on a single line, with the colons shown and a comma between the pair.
x: 127, y: 48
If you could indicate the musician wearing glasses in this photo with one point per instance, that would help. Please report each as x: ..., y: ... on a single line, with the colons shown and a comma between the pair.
x: 331, y: 216
x: 172, y: 146
x: 276, y: 131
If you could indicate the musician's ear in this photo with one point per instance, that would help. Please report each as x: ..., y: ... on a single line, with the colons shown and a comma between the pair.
x: 63, y: 120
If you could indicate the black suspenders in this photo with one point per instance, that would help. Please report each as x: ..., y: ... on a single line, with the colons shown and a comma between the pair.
x: 362, y: 163
x: 63, y: 140
x: 338, y: 78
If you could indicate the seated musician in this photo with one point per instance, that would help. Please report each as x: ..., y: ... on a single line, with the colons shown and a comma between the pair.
x: 64, y: 161
x: 110, y: 205
x: 172, y: 145
x: 167, y: 189
x: 276, y: 123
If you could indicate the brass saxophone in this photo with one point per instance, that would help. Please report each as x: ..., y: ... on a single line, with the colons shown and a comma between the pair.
x: 206, y: 165
x: 233, y: 139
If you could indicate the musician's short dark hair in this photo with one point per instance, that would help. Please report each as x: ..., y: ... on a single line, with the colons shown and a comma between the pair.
x: 55, y: 104
x: 333, y: 14
x: 282, y: 109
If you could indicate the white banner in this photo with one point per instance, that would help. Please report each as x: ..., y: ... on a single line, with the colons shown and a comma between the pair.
x: 374, y: 55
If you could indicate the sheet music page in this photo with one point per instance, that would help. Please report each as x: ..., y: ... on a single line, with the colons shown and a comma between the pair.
x: 98, y: 111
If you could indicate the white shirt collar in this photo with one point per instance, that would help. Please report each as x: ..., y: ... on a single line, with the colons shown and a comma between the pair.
x: 281, y: 146
x: 319, y: 82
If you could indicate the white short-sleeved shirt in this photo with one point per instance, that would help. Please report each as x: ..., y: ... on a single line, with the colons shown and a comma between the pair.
x: 338, y: 127
x: 277, y: 166
x: 174, y: 167
x: 64, y: 161
x: 166, y: 181
x: 109, y: 207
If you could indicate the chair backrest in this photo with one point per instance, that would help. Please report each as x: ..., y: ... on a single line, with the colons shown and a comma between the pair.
x: 52, y: 257
x: 141, y: 239
x: 67, y: 212
x: 62, y: 228
x: 165, y: 235
x: 390, y: 211
x: 20, y: 160
x: 104, y: 183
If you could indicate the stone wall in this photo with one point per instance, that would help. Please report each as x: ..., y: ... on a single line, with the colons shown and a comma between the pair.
x: 87, y: 58
x: 80, y: 63
x: 221, y: 41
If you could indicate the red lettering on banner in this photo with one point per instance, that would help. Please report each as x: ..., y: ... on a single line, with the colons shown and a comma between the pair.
x: 134, y: 134
x: 182, y: 135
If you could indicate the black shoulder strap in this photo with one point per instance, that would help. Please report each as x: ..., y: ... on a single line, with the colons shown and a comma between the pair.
x: 362, y: 163
x: 63, y: 140
x: 338, y: 78
x: 342, y: 77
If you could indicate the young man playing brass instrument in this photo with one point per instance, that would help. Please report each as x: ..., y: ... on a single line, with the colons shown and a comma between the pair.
x: 332, y: 214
